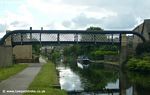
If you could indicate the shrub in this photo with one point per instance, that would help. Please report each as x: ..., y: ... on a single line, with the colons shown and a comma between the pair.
x: 132, y: 63
x: 55, y: 56
x: 138, y: 64
x: 105, y: 53
x: 99, y: 54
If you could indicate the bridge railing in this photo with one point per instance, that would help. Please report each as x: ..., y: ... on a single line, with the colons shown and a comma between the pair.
x: 66, y: 37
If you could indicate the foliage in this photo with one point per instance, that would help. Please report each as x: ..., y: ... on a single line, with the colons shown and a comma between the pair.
x: 94, y: 29
x: 9, y: 71
x: 105, y: 52
x: 55, y: 55
x: 93, y: 37
x: 108, y: 47
x: 36, y: 49
x: 92, y: 51
x: 143, y: 48
x: 99, y: 54
x: 136, y: 78
x: 139, y: 64
x: 72, y: 50
x: 45, y: 80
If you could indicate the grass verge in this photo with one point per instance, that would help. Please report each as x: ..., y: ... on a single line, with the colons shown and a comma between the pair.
x: 12, y: 70
x: 43, y: 82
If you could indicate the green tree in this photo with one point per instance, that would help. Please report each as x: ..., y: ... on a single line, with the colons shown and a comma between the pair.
x: 36, y: 49
x: 91, y: 50
x: 93, y: 37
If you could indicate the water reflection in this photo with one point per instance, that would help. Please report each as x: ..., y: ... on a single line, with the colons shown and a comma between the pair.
x: 97, y: 80
x: 68, y: 79
x: 113, y: 85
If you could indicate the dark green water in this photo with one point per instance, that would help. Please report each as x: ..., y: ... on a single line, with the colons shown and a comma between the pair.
x: 97, y: 80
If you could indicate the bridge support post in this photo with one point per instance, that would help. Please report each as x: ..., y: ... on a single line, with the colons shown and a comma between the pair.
x: 6, y: 53
x: 123, y: 49
x: 6, y: 58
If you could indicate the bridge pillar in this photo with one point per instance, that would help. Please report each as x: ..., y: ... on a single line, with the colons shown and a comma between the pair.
x: 122, y: 83
x: 123, y: 49
x: 6, y: 53
x: 6, y: 58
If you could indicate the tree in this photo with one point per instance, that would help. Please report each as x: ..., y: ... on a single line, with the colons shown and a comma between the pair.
x: 94, y: 37
x: 36, y: 49
x: 86, y: 49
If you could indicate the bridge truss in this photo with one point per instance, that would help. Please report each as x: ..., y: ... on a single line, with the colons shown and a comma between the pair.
x: 48, y: 37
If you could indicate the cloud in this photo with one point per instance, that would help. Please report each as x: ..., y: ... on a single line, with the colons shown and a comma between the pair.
x: 67, y: 24
x: 76, y: 14
x: 116, y: 22
x: 121, y: 21
x: 82, y: 21
x: 55, y: 11
x: 22, y: 18
x: 19, y: 24
x: 114, y: 14
x: 55, y: 26
x: 3, y: 28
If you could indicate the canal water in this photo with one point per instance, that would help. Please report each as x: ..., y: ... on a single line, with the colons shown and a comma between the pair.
x: 99, y: 80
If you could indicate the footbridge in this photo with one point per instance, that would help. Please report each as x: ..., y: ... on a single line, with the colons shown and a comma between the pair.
x: 47, y: 37
x: 57, y: 37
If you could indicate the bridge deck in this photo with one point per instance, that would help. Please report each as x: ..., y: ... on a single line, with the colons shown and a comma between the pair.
x: 66, y: 37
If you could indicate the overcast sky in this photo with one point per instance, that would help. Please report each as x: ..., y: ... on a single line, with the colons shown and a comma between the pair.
x: 72, y: 14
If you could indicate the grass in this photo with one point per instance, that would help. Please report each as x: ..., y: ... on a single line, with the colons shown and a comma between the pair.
x: 44, y: 81
x: 12, y: 70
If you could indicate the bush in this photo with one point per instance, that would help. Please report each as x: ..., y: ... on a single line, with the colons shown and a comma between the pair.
x: 132, y: 63
x: 55, y: 56
x: 99, y: 54
x: 139, y: 64
x: 105, y: 53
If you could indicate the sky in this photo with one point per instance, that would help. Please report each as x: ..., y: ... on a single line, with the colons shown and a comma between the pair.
x: 72, y: 14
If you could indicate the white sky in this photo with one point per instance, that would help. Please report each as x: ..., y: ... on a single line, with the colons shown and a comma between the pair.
x: 72, y: 14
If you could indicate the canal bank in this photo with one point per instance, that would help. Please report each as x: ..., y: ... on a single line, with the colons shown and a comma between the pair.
x: 45, y: 81
x: 107, y: 64
x: 100, y: 80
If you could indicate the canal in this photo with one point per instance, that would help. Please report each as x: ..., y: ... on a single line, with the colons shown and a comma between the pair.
x: 100, y: 80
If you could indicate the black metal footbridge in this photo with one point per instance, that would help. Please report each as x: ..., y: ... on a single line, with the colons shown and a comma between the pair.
x: 47, y: 37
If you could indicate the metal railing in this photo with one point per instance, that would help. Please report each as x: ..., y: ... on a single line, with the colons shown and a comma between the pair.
x: 27, y: 37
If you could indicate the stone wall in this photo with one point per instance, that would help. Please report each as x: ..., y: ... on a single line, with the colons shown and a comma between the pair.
x: 23, y: 52
x: 6, y: 58
x: 143, y: 29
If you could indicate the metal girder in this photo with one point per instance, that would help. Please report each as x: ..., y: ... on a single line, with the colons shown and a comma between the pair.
x: 26, y: 37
